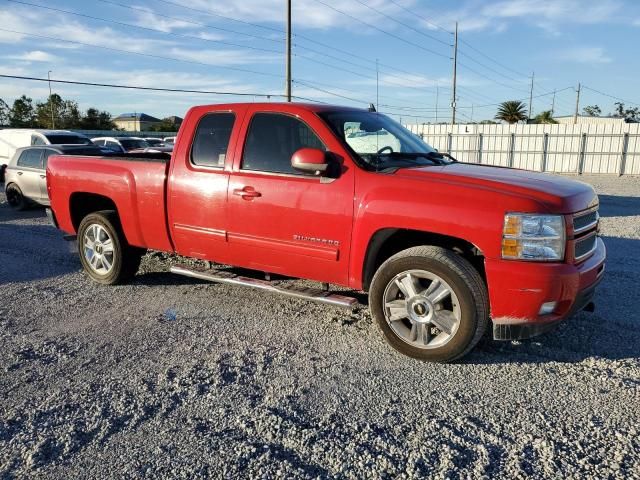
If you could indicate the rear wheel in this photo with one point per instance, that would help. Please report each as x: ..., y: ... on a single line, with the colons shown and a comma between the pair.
x: 430, y: 303
x: 104, y: 252
x: 15, y: 198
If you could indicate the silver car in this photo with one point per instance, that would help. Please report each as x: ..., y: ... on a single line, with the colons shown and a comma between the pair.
x: 25, y: 176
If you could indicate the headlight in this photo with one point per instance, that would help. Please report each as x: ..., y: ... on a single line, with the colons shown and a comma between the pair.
x: 533, y: 237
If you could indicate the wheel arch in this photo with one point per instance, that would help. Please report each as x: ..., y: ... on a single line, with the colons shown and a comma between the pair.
x: 82, y: 204
x: 386, y: 242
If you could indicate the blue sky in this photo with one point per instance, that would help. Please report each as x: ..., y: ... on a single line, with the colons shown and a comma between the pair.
x: 238, y: 47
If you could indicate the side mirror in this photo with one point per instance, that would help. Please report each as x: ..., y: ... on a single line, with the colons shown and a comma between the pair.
x: 310, y: 160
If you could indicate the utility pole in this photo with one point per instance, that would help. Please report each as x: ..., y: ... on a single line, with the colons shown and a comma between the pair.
x: 455, y: 70
x: 471, y: 119
x: 377, y: 87
x: 575, y: 115
x: 53, y: 123
x: 533, y: 74
x: 553, y: 103
x: 437, y: 95
x: 288, y: 48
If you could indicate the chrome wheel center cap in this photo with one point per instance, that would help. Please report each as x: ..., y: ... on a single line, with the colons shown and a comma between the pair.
x: 420, y: 309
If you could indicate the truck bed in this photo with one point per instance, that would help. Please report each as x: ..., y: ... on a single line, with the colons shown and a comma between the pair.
x: 131, y: 183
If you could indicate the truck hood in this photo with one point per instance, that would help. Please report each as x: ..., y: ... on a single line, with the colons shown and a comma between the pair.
x: 556, y: 193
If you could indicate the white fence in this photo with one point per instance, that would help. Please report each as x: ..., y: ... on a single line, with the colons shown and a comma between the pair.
x: 606, y: 149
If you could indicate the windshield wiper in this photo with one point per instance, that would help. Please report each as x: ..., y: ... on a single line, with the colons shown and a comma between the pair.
x: 435, y: 157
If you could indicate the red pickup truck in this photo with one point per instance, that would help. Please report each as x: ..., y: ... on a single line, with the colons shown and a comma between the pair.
x: 346, y: 197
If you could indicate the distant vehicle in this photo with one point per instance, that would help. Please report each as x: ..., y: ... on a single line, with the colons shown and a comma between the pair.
x: 13, y: 138
x: 25, y: 175
x: 121, y: 144
x: 155, y: 142
x: 169, y: 140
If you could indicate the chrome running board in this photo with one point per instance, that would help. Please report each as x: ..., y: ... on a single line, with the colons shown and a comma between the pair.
x: 312, y: 294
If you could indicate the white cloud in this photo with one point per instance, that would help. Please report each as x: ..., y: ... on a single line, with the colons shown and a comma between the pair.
x: 477, y: 15
x: 584, y: 55
x: 34, y: 56
x: 222, y: 57
x: 158, y: 22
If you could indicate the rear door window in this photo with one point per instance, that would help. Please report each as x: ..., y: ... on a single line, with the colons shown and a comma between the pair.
x: 212, y: 139
x: 31, y: 158
x: 272, y: 140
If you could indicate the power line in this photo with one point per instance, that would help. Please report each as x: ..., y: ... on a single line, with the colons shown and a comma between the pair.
x: 154, y: 89
x: 610, y: 96
x: 224, y: 17
x: 492, y: 59
x: 402, y: 23
x: 150, y: 55
x: 140, y: 27
x: 488, y: 78
x: 420, y: 17
x: 397, y: 37
x: 191, y: 22
x: 256, y: 36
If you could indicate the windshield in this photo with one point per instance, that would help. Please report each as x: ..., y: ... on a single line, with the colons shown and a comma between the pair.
x: 381, y: 142
x: 130, y: 144
x: 68, y: 140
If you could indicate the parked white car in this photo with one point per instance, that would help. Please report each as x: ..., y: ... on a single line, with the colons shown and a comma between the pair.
x: 121, y: 144
x: 12, y: 139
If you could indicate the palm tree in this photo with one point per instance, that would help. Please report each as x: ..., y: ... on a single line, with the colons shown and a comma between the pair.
x: 544, y: 117
x: 512, y: 111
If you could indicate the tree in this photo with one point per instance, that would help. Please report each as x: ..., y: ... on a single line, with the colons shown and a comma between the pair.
x: 592, y: 110
x: 5, y: 113
x: 512, y: 111
x: 94, y: 119
x: 22, y: 113
x: 629, y: 114
x: 66, y: 113
x: 166, y: 125
x: 544, y: 117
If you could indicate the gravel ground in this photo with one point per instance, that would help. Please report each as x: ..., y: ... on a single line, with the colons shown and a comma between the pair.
x: 169, y: 377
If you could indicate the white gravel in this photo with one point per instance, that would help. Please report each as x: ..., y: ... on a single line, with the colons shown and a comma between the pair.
x: 169, y: 377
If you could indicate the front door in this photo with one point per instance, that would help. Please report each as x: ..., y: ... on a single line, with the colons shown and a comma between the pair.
x: 282, y: 220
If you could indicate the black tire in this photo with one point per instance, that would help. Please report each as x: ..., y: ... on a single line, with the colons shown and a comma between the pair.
x: 15, y: 198
x: 469, y: 288
x: 125, y: 259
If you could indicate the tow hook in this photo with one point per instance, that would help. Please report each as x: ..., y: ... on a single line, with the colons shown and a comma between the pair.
x: 590, y: 307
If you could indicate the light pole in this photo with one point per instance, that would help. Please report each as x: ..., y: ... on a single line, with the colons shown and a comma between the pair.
x: 53, y: 123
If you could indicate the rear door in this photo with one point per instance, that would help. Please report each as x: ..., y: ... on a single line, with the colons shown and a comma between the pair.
x: 197, y: 209
x: 282, y: 220
x: 29, y: 168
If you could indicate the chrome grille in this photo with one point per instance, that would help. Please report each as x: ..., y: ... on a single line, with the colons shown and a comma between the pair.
x: 584, y: 246
x: 585, y: 221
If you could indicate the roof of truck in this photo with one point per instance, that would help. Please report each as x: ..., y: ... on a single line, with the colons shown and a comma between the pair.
x: 314, y: 107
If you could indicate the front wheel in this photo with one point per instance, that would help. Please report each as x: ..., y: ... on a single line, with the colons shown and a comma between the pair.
x: 104, y: 252
x: 430, y: 303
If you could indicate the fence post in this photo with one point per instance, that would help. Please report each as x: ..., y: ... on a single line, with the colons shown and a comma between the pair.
x: 449, y: 142
x: 583, y: 148
x: 512, y: 148
x: 480, y: 148
x: 545, y: 152
x: 625, y: 149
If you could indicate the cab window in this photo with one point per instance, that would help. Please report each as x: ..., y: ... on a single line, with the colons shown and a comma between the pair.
x: 212, y: 139
x: 272, y: 140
